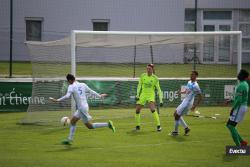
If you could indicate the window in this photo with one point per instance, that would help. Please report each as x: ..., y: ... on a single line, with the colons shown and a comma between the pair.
x: 217, y: 15
x: 189, y: 24
x: 245, y: 57
x: 245, y: 15
x: 189, y: 15
x: 244, y: 26
x: 33, y: 29
x: 246, y: 44
x: 189, y: 27
x: 100, y: 24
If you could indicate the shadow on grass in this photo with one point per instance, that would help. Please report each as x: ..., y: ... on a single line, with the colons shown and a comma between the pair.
x: 43, y: 128
x: 30, y: 124
x: 178, y: 138
x: 64, y: 149
x: 139, y: 133
x: 51, y: 131
x: 227, y: 158
x: 68, y: 148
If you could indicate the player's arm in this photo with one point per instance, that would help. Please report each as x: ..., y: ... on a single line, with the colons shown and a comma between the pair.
x: 139, y: 86
x: 160, y: 94
x: 182, y: 90
x: 68, y: 94
x: 94, y: 92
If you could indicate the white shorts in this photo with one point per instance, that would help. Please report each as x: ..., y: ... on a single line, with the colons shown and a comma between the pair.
x: 83, y: 114
x: 183, y: 108
x: 238, y: 113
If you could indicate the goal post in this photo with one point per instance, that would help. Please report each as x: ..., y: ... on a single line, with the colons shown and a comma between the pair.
x: 74, y: 33
x: 239, y: 46
x: 112, y: 61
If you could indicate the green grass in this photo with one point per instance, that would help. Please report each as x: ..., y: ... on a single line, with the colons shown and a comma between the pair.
x: 31, y: 145
x: 21, y: 69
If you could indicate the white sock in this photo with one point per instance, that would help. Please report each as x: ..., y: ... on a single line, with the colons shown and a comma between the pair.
x: 72, y: 132
x: 176, y: 125
x: 99, y: 125
x: 183, y: 123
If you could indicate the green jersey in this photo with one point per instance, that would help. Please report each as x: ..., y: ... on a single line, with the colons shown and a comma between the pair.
x: 147, y: 85
x: 241, y: 94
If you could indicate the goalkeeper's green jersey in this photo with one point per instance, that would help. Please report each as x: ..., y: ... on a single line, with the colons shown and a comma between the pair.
x: 147, y: 85
x: 241, y: 94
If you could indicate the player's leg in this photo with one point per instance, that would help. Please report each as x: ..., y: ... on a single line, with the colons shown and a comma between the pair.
x: 185, y: 126
x: 72, y: 128
x: 176, y: 124
x: 86, y: 118
x: 155, y: 115
x: 138, y: 116
x: 139, y: 104
x: 237, y: 116
x: 231, y: 126
x: 96, y: 125
x: 182, y: 121
x: 177, y: 115
x: 240, y: 117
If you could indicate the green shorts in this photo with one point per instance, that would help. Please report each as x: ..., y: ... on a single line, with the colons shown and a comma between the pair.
x: 145, y: 99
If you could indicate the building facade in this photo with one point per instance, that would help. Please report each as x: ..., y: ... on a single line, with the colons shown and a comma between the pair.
x: 45, y: 20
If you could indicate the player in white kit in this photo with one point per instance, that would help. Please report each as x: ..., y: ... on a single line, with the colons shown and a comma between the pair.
x: 78, y: 91
x: 191, y: 90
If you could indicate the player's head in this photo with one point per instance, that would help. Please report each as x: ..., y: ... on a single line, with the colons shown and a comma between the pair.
x: 194, y: 75
x: 150, y: 69
x: 243, y: 75
x: 70, y: 78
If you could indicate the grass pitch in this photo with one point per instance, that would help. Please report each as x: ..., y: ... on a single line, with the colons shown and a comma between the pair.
x: 33, y: 145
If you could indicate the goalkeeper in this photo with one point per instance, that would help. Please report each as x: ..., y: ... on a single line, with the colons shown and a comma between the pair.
x: 146, y: 94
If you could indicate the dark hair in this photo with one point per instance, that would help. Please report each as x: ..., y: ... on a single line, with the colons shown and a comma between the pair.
x: 70, y: 77
x: 243, y: 74
x: 196, y: 73
x: 152, y: 66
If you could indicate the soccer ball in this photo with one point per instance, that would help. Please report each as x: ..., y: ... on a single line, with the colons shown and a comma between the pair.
x: 65, y: 121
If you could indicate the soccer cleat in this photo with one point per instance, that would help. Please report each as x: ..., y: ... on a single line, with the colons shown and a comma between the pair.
x: 137, y: 128
x: 173, y: 133
x: 111, y: 126
x: 67, y: 142
x: 243, y: 143
x: 158, y: 128
x: 187, y: 130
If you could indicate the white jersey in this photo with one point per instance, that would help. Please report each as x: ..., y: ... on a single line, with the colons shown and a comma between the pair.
x: 79, y: 90
x: 191, y: 89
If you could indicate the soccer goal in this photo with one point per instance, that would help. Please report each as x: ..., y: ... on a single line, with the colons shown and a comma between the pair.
x: 111, y: 62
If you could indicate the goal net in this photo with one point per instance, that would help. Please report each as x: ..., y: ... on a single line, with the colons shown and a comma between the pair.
x: 111, y: 62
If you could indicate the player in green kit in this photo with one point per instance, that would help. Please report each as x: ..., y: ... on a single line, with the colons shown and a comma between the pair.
x: 148, y: 82
x: 239, y: 107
